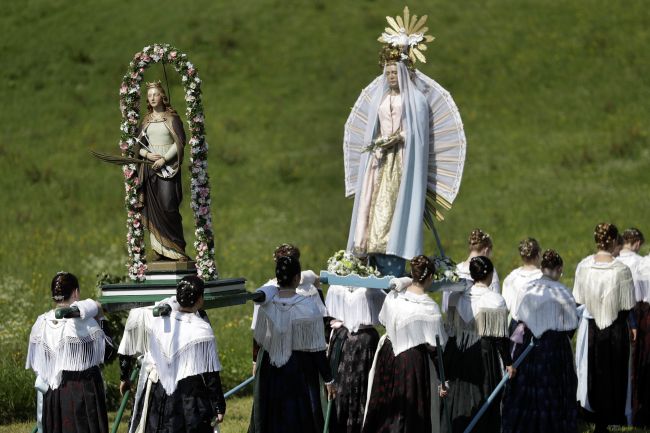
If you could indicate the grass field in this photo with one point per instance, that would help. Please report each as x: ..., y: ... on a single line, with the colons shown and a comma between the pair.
x: 554, y: 98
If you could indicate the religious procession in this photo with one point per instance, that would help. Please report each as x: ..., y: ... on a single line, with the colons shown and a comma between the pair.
x: 388, y: 335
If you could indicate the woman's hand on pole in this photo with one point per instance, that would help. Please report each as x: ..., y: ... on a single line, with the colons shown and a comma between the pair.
x: 331, y: 391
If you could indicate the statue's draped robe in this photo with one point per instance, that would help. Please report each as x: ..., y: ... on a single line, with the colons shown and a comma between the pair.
x: 390, y: 195
x: 162, y: 197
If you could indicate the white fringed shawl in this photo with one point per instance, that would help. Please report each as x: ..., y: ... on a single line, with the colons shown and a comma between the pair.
x: 57, y: 345
x: 462, y: 269
x: 642, y: 282
x: 182, y: 345
x: 354, y: 306
x: 514, y: 283
x: 605, y: 289
x: 135, y: 340
x: 547, y: 305
x: 477, y: 312
x: 287, y: 324
x: 307, y: 287
x: 411, y: 320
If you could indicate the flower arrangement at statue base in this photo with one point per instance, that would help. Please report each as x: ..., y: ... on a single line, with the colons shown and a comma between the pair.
x: 445, y: 270
x: 344, y: 263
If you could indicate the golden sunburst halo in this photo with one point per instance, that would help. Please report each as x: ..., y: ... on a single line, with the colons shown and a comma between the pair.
x: 407, y: 32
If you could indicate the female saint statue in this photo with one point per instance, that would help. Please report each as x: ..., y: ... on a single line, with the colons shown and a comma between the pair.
x: 161, y: 139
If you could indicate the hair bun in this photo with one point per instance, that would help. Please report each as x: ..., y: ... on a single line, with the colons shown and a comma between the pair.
x: 529, y: 249
x: 480, y: 268
x: 422, y: 267
x: 479, y: 240
x: 551, y: 260
x: 605, y: 235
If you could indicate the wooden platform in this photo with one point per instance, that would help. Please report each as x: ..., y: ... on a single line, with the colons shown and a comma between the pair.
x: 218, y: 293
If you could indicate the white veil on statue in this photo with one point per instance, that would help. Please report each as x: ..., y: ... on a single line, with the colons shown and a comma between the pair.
x: 434, y: 145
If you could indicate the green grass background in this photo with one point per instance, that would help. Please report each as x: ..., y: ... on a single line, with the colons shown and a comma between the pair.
x: 553, y: 95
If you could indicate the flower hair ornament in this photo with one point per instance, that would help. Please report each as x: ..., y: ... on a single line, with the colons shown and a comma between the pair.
x: 408, y: 34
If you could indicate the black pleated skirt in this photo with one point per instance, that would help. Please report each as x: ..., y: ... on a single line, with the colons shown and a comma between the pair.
x: 541, y: 398
x: 400, y: 400
x: 472, y: 374
x: 608, y: 367
x: 357, y: 351
x: 78, y: 405
x: 641, y: 366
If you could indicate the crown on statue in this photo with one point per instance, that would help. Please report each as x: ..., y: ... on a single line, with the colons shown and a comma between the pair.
x: 156, y: 84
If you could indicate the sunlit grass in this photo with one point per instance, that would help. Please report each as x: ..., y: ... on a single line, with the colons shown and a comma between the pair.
x: 553, y: 96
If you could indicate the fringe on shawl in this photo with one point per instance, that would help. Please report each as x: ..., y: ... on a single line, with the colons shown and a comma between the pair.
x: 198, y: 356
x: 553, y: 315
x: 307, y: 335
x: 355, y: 307
x: 489, y: 322
x: 415, y: 330
x: 604, y: 307
x: 71, y: 354
x: 135, y: 340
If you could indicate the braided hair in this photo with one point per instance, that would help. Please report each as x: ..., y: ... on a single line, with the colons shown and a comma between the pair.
x: 480, y: 268
x: 422, y: 268
x: 286, y: 250
x: 606, y: 236
x: 479, y: 240
x: 633, y: 235
x: 551, y: 260
x: 189, y: 290
x: 62, y: 286
x: 286, y: 269
x: 529, y: 249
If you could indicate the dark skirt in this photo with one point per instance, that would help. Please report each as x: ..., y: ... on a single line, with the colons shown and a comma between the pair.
x: 400, y: 400
x: 607, y: 363
x: 189, y: 409
x: 162, y: 199
x: 541, y: 398
x: 78, y: 405
x: 357, y: 351
x: 641, y: 367
x: 287, y: 399
x: 472, y: 374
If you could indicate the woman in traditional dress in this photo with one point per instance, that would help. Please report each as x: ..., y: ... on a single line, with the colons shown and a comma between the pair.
x: 403, y: 392
x: 291, y: 360
x: 479, y: 244
x: 354, y: 312
x: 641, y: 352
x: 477, y: 350
x: 389, y: 206
x: 66, y: 354
x: 183, y: 391
x: 161, y: 139
x: 530, y: 253
x: 605, y: 287
x: 541, y: 397
x: 632, y: 241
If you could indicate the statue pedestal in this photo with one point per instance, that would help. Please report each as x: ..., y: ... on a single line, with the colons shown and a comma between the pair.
x: 160, y: 283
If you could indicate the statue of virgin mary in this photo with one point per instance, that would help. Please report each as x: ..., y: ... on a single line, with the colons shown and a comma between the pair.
x: 404, y: 152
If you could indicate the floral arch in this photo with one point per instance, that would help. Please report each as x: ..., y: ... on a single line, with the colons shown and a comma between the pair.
x: 198, y: 164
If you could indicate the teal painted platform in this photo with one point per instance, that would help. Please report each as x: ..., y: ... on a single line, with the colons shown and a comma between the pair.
x: 218, y: 293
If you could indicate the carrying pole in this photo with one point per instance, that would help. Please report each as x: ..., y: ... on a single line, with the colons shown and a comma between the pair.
x: 125, y: 400
x: 501, y: 384
x: 441, y: 370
